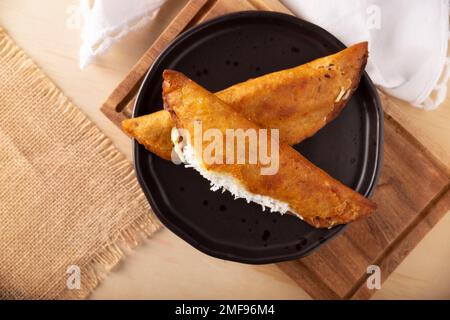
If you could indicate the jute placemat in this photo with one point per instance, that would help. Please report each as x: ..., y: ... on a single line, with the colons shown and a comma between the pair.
x: 68, y: 199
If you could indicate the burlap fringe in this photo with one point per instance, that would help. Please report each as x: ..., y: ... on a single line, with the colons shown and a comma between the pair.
x: 103, y: 262
x: 100, y: 264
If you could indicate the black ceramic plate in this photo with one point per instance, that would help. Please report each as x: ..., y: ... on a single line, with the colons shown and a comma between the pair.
x: 218, y: 54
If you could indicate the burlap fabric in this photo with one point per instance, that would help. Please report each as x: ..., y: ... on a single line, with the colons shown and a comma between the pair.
x: 68, y: 198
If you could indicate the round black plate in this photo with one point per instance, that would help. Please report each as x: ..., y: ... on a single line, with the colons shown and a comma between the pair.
x: 218, y: 54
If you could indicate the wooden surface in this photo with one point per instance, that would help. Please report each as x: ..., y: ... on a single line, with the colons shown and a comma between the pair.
x: 405, y: 196
x: 407, y: 191
x: 166, y: 267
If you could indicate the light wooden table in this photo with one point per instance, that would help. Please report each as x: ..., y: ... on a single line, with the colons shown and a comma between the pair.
x: 165, y: 266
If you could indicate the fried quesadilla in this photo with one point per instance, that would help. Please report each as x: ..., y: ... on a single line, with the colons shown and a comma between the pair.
x: 298, y: 187
x: 298, y: 101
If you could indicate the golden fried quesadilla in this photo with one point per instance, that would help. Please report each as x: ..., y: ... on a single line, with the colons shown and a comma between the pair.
x: 298, y: 187
x: 298, y: 101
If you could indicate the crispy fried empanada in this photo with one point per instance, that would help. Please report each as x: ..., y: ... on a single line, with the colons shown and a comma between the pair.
x: 153, y: 132
x: 298, y: 101
x: 297, y: 187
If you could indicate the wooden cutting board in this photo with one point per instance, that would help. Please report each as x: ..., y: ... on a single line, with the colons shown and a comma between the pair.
x: 413, y: 192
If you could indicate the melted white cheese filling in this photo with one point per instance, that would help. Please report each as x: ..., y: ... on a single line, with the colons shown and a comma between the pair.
x: 218, y: 181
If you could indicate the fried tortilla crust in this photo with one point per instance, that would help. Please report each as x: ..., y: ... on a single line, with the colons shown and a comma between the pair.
x: 298, y: 101
x: 321, y: 200
x: 152, y: 131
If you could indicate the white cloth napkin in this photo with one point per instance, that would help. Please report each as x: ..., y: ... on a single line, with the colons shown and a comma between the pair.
x: 407, y: 41
x: 107, y: 21
x: 407, y: 38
